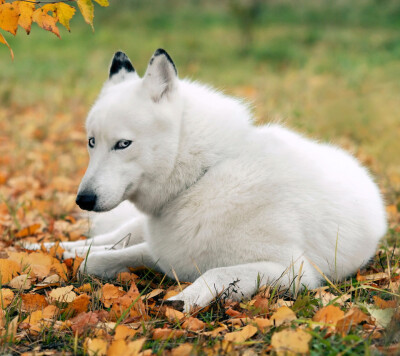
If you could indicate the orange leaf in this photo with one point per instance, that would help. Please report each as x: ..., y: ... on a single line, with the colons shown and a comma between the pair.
x: 109, y: 293
x: 352, y: 318
x: 283, y: 315
x: 121, y: 347
x: 3, y: 40
x: 32, y: 302
x: 95, y: 346
x: 165, y: 334
x: 242, y: 335
x: 288, y: 342
x: 41, y: 318
x: 9, y: 15
x: 28, y: 231
x: 182, y: 350
x: 26, y: 10
x: 329, y: 315
x: 173, y: 315
x: 6, y: 297
x: 124, y: 332
x: 8, y: 270
x: 193, y: 324
x: 384, y: 304
x: 78, y: 305
x: 44, y: 20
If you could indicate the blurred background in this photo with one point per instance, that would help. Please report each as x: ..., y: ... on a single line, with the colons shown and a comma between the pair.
x: 329, y: 69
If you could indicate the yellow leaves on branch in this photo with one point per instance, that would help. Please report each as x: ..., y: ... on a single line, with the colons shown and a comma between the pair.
x: 46, y: 15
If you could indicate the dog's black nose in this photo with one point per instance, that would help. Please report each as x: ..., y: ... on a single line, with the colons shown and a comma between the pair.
x: 86, y: 201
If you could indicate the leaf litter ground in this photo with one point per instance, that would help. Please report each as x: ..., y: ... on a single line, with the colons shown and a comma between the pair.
x: 46, y: 308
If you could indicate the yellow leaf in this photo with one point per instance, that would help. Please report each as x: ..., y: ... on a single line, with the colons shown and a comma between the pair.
x: 8, y: 270
x: 62, y: 295
x: 95, y: 346
x: 102, y: 2
x: 46, y: 21
x: 110, y: 293
x: 3, y: 40
x: 6, y: 297
x: 87, y: 10
x: 283, y: 315
x: 240, y: 336
x: 26, y: 10
x: 9, y: 15
x: 64, y: 13
x: 291, y: 342
x: 173, y: 315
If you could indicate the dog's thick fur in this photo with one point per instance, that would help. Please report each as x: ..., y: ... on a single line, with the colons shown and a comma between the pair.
x: 220, y: 199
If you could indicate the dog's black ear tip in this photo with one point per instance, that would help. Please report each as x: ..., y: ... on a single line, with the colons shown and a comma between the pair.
x: 120, y: 61
x: 163, y: 52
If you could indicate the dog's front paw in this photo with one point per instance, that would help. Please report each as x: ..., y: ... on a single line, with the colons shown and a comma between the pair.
x: 192, y: 299
x: 100, y: 265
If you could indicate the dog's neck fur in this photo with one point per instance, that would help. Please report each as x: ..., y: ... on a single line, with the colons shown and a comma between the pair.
x: 200, y: 145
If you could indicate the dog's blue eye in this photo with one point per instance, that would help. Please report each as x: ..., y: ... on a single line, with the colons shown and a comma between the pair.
x: 121, y: 144
x: 91, y: 142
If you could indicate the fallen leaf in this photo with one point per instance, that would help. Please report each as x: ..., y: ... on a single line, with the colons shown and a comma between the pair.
x: 28, y: 231
x: 9, y: 335
x: 329, y: 316
x: 6, y: 297
x: 216, y: 332
x: 173, y: 315
x: 327, y: 297
x: 79, y: 305
x: 124, y: 332
x: 384, y: 304
x: 110, y: 293
x: 152, y: 294
x: 291, y: 341
x: 95, y: 346
x: 32, y: 302
x: 121, y: 347
x: 8, y: 270
x: 182, y: 350
x: 39, y: 319
x: 22, y: 282
x: 242, y: 335
x: 166, y: 334
x: 262, y: 324
x: 193, y: 324
x: 86, y: 321
x: 382, y: 317
x: 352, y: 318
x: 283, y: 315
x: 62, y: 295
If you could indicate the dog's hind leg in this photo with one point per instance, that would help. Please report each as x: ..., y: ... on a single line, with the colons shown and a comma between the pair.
x: 242, y: 281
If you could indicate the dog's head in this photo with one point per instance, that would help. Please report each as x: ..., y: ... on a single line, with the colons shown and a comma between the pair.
x: 132, y: 130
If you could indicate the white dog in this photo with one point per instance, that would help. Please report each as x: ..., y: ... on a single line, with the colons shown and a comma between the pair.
x: 220, y: 199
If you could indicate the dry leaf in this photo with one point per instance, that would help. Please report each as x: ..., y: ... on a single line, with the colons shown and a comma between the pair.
x: 124, y: 332
x: 8, y: 270
x: 95, y: 347
x: 262, y: 324
x: 28, y: 231
x: 193, y: 324
x: 166, y: 334
x: 240, y: 336
x: 173, y: 315
x: 291, y: 342
x: 32, y: 302
x: 110, y: 293
x: 6, y: 297
x: 79, y: 305
x: 352, y: 318
x: 22, y: 282
x: 384, y: 304
x: 41, y: 318
x: 182, y: 350
x: 62, y: 295
x: 283, y: 315
x: 329, y: 315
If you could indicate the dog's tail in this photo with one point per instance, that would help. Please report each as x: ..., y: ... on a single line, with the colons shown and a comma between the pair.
x: 102, y: 223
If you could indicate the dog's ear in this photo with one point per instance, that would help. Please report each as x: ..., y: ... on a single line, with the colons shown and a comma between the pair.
x: 121, y: 68
x: 161, y: 75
